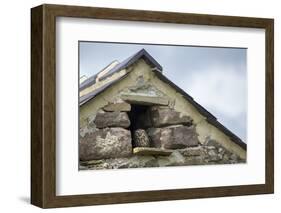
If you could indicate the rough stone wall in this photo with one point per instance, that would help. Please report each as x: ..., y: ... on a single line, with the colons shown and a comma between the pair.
x: 169, y: 138
x: 171, y: 124
x: 200, y: 155
x: 108, y: 137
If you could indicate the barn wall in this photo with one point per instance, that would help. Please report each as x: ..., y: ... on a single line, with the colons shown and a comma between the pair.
x: 178, y: 102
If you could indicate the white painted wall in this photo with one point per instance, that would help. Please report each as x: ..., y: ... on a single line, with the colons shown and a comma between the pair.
x: 15, y: 104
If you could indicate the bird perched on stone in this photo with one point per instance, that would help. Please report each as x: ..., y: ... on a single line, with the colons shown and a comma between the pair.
x: 141, y: 139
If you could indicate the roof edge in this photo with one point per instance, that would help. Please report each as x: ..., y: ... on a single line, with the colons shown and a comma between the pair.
x: 133, y: 59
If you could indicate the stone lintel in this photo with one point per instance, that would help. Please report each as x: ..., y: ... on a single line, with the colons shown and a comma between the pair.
x: 145, y: 100
x: 115, y: 107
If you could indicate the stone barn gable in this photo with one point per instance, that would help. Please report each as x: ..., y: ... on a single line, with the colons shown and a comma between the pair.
x: 135, y: 104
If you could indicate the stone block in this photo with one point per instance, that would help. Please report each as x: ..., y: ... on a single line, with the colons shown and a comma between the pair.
x: 192, y: 151
x: 165, y: 116
x: 105, y: 143
x: 173, y: 137
x: 175, y: 159
x: 112, y: 119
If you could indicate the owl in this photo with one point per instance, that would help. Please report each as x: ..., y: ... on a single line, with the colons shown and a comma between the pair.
x: 141, y: 138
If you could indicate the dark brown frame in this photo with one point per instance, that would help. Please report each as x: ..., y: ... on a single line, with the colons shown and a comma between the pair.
x: 43, y: 105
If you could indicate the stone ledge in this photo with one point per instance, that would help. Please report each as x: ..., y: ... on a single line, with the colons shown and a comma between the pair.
x: 151, y: 151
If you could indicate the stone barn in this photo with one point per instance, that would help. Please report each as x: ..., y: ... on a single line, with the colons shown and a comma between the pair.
x: 133, y: 116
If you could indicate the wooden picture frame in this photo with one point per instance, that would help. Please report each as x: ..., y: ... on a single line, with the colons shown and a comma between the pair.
x: 43, y: 105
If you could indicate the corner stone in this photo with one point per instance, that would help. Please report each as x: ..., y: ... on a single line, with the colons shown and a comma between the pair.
x: 105, y: 143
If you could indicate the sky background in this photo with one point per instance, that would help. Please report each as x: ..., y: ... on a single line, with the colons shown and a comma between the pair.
x: 215, y: 77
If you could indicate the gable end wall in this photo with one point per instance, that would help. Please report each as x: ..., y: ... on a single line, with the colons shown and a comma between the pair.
x: 178, y: 102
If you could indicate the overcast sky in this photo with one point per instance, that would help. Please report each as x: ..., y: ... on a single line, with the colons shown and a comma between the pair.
x: 215, y: 77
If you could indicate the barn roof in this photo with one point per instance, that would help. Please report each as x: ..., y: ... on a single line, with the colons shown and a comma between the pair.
x: 123, y: 65
x: 158, y: 71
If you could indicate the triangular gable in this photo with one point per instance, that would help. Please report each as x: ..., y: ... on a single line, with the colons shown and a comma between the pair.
x: 210, y: 118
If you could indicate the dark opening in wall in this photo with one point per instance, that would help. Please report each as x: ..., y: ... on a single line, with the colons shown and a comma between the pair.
x: 139, y: 119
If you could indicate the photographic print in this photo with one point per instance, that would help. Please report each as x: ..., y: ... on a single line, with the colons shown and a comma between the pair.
x: 156, y: 105
x: 152, y: 98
